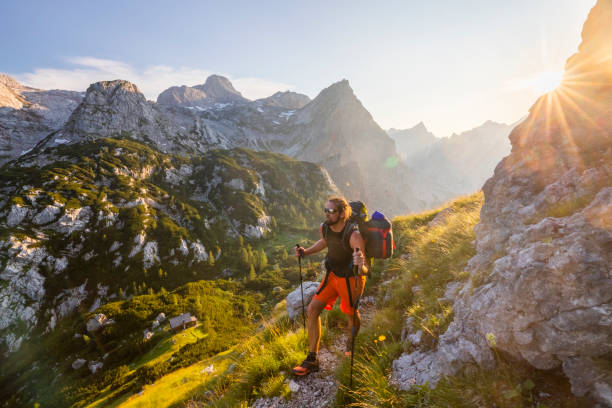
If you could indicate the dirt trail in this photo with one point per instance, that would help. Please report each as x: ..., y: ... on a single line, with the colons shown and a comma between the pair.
x: 318, y: 390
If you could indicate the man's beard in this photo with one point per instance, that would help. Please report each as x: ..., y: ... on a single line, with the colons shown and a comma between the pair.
x: 329, y: 223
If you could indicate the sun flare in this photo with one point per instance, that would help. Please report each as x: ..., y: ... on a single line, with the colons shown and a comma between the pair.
x: 545, y: 82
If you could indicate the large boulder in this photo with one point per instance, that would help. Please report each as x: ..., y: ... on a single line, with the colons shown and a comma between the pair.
x: 294, y: 299
x: 78, y: 363
x: 541, y: 281
x: 97, y: 322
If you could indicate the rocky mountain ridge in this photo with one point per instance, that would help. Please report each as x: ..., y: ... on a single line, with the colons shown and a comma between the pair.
x: 107, y: 214
x: 413, y: 141
x: 216, y: 89
x: 333, y: 130
x: 27, y: 115
x: 453, y: 166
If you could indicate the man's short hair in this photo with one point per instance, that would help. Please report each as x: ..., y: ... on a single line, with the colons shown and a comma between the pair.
x: 342, y: 206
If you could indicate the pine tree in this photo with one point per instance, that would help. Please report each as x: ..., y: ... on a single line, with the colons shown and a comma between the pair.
x: 241, y: 241
x: 121, y: 293
x: 251, y: 256
x: 244, y: 257
x: 160, y: 273
x: 263, y: 260
x: 284, y: 255
x: 211, y: 258
x: 252, y: 274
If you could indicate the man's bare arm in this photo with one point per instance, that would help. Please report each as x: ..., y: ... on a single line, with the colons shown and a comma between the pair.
x: 320, y: 245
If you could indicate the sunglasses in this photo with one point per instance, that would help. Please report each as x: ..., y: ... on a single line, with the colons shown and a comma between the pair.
x: 330, y: 211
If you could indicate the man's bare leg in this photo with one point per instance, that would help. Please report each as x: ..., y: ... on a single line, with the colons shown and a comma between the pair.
x: 350, y: 327
x: 314, y: 324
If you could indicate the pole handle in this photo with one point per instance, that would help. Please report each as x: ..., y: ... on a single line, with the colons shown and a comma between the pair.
x: 300, y: 250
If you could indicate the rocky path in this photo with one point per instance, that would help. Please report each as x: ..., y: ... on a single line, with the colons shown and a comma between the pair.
x: 318, y: 389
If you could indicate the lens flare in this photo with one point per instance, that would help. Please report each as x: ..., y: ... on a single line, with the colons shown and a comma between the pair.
x: 546, y: 82
x: 391, y: 162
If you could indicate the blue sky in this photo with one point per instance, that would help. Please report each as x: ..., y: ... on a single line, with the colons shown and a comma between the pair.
x: 451, y: 64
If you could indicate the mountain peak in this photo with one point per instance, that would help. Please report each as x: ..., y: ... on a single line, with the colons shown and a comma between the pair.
x: 220, y: 89
x: 9, y: 81
x: 337, y: 92
x: 341, y: 86
x: 287, y: 99
x: 419, y: 127
x: 112, y: 91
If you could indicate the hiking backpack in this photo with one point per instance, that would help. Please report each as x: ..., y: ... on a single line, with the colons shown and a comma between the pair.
x: 376, y: 231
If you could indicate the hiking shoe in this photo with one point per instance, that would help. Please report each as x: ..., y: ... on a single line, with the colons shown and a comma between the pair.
x: 307, y: 367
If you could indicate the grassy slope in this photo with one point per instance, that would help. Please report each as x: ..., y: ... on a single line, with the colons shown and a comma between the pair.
x: 427, y: 259
x: 94, y: 174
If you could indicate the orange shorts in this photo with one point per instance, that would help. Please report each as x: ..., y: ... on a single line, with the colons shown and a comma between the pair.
x: 334, y: 286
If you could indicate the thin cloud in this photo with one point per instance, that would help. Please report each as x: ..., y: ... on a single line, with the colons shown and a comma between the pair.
x: 151, y: 81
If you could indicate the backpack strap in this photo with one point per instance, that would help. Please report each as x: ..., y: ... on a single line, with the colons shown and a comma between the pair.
x: 324, y: 229
x: 346, y: 235
x: 324, y: 284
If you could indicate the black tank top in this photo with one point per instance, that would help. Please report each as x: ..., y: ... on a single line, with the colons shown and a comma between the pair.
x: 339, y: 259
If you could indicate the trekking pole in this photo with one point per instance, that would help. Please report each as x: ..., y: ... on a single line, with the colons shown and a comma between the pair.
x: 355, y: 309
x: 301, y: 254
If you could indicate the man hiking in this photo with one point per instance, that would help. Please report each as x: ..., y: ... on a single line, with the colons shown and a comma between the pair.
x: 339, y: 279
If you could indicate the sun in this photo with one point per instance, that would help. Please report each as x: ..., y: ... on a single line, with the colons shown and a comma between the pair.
x: 545, y: 82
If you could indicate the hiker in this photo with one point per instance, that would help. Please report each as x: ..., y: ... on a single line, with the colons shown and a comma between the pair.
x: 345, y: 249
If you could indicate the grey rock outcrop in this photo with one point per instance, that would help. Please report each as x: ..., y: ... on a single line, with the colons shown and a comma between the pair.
x: 182, y: 96
x: 78, y: 363
x: 287, y: 99
x: 216, y: 89
x: 27, y: 115
x: 220, y: 89
x: 95, y: 366
x: 118, y: 109
x: 97, y: 322
x: 541, y: 283
x: 294, y: 299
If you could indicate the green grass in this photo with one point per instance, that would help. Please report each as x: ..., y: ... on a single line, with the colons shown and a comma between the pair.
x: 168, y: 346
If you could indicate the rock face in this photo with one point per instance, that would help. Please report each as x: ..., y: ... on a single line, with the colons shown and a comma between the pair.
x: 181, y: 96
x: 27, y: 115
x: 336, y: 131
x: 220, y: 89
x: 112, y: 108
x: 216, y: 89
x: 288, y: 99
x: 541, y: 283
x: 117, y: 108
